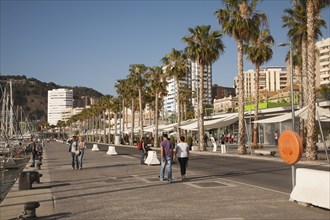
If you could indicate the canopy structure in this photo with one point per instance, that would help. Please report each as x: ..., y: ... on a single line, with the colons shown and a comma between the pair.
x: 324, y: 115
x: 226, y: 120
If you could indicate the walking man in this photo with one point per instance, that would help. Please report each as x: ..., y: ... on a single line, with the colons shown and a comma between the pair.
x: 167, y: 156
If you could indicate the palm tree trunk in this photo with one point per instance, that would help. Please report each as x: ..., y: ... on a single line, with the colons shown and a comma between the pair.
x: 241, y: 127
x: 178, y: 116
x: 123, y: 119
x: 156, y: 122
x: 304, y: 72
x: 109, y: 134
x: 132, y: 122
x: 104, y: 128
x: 141, y: 115
x: 256, y: 107
x: 200, y: 108
x: 116, y: 123
x: 311, y: 151
x: 301, y: 105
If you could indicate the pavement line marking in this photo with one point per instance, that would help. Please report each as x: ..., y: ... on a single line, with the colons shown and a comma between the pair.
x: 259, y: 187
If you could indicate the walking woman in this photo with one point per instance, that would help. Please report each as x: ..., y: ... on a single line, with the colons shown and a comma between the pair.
x: 182, y: 151
x: 81, y: 148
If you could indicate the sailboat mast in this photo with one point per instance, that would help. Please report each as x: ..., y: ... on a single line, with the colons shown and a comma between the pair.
x: 11, y: 110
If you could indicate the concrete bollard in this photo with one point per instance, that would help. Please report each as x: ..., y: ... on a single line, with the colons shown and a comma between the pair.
x: 27, y: 178
x: 111, y: 151
x: 29, y: 210
x: 194, y: 148
x: 95, y: 147
x: 152, y: 158
x: 223, y: 149
x: 312, y: 187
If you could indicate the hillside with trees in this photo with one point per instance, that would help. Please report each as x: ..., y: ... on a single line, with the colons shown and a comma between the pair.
x: 31, y: 94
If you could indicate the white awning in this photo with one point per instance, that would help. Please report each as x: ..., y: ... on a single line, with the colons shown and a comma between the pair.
x: 221, y: 122
x: 323, y: 113
x: 302, y: 113
x: 226, y: 120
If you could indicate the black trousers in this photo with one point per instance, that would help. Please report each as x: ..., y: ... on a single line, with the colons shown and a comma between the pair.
x: 183, y: 164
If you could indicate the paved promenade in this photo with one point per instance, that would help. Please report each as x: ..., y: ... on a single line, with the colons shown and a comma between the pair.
x: 117, y: 187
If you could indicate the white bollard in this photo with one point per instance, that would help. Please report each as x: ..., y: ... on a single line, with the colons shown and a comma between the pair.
x: 152, y: 158
x: 194, y: 148
x: 111, y: 151
x: 95, y: 147
x: 223, y: 149
x: 312, y: 187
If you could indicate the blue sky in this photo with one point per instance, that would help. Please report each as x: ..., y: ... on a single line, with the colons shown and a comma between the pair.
x: 92, y: 43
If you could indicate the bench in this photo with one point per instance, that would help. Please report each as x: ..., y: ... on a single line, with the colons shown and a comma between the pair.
x: 265, y: 152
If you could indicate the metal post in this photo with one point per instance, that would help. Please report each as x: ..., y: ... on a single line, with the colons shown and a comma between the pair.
x: 292, y: 104
x: 292, y: 111
x: 291, y: 88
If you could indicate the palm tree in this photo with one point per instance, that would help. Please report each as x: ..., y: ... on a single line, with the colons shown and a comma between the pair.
x: 132, y: 93
x: 297, y: 22
x: 122, y: 89
x: 105, y: 104
x: 204, y: 47
x: 139, y: 70
x: 259, y: 52
x: 241, y: 21
x: 116, y: 110
x: 157, y: 86
x: 185, y: 97
x: 313, y: 11
x: 177, y: 66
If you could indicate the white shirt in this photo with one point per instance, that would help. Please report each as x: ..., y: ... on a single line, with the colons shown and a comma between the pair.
x: 182, y: 149
x: 74, y: 147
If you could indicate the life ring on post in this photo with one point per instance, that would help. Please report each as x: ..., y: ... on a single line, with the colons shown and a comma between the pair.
x: 290, y: 147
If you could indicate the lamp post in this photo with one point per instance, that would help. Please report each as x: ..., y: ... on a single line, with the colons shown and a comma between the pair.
x: 292, y: 104
x: 291, y: 83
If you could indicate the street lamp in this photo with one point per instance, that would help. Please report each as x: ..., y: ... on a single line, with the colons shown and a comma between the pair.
x: 291, y: 83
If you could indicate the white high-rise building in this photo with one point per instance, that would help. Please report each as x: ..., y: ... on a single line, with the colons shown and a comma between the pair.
x: 60, y: 102
x: 323, y: 62
x: 192, y: 80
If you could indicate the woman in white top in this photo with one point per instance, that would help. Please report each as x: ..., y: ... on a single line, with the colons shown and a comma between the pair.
x: 182, y: 151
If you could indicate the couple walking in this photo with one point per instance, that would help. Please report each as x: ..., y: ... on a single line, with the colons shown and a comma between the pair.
x: 77, y: 150
x: 167, y: 155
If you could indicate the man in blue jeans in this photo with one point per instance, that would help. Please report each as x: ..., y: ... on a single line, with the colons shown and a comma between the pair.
x: 167, y: 156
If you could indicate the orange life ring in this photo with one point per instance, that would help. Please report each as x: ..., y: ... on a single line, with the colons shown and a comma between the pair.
x: 290, y: 147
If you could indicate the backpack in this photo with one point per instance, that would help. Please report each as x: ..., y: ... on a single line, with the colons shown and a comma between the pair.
x: 140, y: 145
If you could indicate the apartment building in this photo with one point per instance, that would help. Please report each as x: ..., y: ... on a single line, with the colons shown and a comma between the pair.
x: 270, y: 79
x: 323, y: 62
x: 219, y: 92
x: 192, y: 80
x: 60, y: 103
x: 225, y: 104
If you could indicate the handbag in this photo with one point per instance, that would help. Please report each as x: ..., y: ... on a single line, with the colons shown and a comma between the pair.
x: 77, y: 152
